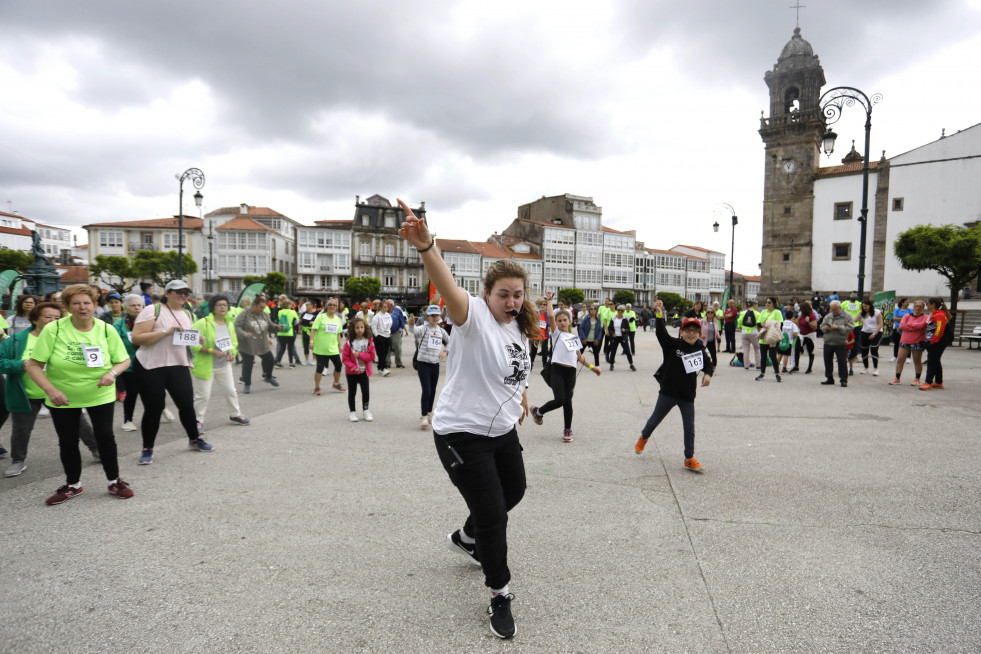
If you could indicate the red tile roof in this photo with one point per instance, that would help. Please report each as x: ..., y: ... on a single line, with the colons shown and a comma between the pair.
x: 695, y: 247
x: 13, y: 215
x: 489, y: 250
x: 74, y: 274
x: 158, y: 223
x: 845, y: 169
x: 20, y: 231
x: 244, y: 223
x: 252, y: 211
x: 632, y: 232
x: 450, y: 245
x: 673, y: 253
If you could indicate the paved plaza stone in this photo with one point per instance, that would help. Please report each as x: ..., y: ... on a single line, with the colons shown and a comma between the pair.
x: 827, y: 520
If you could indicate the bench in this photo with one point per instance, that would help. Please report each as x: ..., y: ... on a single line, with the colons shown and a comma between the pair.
x: 975, y: 337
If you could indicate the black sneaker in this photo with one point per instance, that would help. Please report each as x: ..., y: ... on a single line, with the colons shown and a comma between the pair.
x: 760, y: 377
x: 501, y: 621
x: 778, y: 378
x: 456, y: 545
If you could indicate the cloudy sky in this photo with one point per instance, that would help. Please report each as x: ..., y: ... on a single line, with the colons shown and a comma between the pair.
x: 649, y: 106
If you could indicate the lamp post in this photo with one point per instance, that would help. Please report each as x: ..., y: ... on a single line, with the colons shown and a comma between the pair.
x: 197, y: 178
x: 832, y: 103
x: 732, y: 255
x: 211, y: 259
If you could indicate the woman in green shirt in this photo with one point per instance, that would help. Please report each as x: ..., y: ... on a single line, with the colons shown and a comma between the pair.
x: 76, y: 361
x: 213, y: 362
x: 287, y: 337
x: 768, y: 349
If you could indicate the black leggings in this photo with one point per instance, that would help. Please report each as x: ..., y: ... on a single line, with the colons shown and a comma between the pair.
x: 66, y: 424
x: 935, y: 369
x: 248, y: 362
x: 428, y: 378
x: 534, y: 347
x: 768, y: 354
x: 595, y: 347
x: 492, y: 482
x: 805, y: 344
x: 625, y: 344
x: 132, y: 388
x: 712, y: 354
x: 353, y: 381
x: 154, y: 386
x: 897, y: 334
x: 305, y: 337
x: 563, y: 385
x: 870, y: 343
x: 664, y: 404
x: 382, y: 345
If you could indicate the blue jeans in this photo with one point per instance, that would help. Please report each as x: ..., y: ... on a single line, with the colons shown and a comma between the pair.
x: 664, y: 404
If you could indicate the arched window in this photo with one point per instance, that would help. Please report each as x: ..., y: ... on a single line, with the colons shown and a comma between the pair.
x: 791, y: 100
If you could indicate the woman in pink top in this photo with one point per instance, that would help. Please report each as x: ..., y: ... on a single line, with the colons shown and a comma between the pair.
x: 914, y: 327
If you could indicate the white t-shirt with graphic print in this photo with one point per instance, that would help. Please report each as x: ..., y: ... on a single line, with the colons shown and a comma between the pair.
x: 486, y: 373
x: 565, y: 348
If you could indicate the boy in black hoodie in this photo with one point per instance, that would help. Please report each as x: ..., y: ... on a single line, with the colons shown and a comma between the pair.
x: 678, y: 376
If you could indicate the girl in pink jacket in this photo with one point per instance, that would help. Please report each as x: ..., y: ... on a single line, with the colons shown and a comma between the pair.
x: 357, y: 355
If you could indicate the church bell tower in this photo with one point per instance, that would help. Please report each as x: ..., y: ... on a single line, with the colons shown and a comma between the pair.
x: 792, y: 136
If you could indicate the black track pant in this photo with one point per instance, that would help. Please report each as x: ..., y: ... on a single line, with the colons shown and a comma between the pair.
x: 935, y: 369
x: 563, y: 385
x: 664, y: 404
x: 353, y: 382
x: 154, y: 386
x: 66, y: 424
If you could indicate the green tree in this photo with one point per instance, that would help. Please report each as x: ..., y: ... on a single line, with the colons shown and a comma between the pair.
x: 161, y: 267
x: 571, y: 295
x: 275, y: 283
x: 15, y: 260
x: 112, y: 272
x: 624, y: 297
x: 362, y: 288
x: 952, y: 251
x: 674, y: 302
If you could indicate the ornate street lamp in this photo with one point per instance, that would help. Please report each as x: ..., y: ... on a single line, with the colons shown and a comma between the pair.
x: 732, y: 255
x: 832, y: 103
x: 197, y: 178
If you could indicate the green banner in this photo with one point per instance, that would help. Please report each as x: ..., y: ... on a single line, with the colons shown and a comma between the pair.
x: 885, y: 302
x: 16, y: 290
x: 725, y: 300
x: 250, y: 292
x: 6, y: 278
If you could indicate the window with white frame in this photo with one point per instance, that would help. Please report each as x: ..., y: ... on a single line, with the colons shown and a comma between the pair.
x: 389, y: 249
x: 170, y: 241
x: 111, y: 239
x: 365, y: 249
x: 413, y: 280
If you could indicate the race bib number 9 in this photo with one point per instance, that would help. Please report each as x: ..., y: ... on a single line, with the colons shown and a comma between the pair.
x: 93, y: 356
x: 693, y: 362
x: 187, y: 337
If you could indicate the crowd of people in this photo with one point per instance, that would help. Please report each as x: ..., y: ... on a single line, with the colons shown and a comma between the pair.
x: 74, y: 355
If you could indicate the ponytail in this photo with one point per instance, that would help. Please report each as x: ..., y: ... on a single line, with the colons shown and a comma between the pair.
x: 528, y: 322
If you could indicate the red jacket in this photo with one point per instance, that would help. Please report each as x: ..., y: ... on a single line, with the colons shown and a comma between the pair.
x: 936, y: 326
x: 350, y: 358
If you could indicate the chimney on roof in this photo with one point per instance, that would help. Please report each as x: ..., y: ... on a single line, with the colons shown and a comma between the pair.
x: 357, y: 199
x: 244, y: 208
x: 422, y: 206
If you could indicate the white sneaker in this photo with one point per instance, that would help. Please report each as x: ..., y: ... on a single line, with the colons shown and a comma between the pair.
x: 863, y: 371
x: 424, y: 422
x: 385, y: 372
x: 367, y: 416
x: 167, y: 415
x: 129, y: 426
x: 875, y: 372
x: 892, y: 360
x: 44, y: 412
x: 353, y: 417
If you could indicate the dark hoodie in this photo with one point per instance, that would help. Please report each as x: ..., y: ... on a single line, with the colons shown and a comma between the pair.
x: 671, y: 375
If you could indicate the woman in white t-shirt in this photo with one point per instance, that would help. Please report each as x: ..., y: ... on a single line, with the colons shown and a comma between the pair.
x: 474, y: 425
x: 871, y: 336
x: 566, y: 349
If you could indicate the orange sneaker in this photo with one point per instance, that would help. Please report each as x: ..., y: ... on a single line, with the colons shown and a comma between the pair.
x: 693, y: 465
x: 640, y: 445
x: 916, y: 382
x: 895, y: 380
x: 927, y: 387
x: 938, y: 387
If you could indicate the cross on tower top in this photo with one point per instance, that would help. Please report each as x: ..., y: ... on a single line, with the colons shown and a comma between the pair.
x: 798, y: 7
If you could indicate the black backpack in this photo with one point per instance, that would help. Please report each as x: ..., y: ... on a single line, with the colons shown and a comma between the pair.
x: 749, y: 318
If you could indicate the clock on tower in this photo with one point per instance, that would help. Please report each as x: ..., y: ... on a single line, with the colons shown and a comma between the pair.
x: 792, y: 135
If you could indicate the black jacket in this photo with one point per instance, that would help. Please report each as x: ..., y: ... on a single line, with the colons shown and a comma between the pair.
x: 671, y: 375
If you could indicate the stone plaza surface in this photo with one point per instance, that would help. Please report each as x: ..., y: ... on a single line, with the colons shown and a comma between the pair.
x: 828, y: 520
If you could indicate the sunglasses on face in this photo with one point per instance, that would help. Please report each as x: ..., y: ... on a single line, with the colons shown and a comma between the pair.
x: 182, y: 291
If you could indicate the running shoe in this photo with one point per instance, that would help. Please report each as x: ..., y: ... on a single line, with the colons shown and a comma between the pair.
x: 316, y: 391
x: 121, y: 396
x: 693, y: 465
x: 895, y: 380
x: 240, y: 419
x: 927, y: 387
x: 892, y: 360
x: 938, y: 387
x: 424, y: 423
x: 270, y: 380
x: 15, y: 469
x: 875, y: 372
x: 167, y: 415
x: 501, y: 620
x: 567, y: 436
x: 916, y: 382
x: 120, y: 489
x: 633, y: 368
x: 146, y: 458
x: 200, y: 445
x: 537, y: 417
x: 640, y: 445
x: 339, y: 387
x: 864, y: 371
x: 779, y: 379
x: 247, y: 389
x: 95, y: 453
x: 63, y: 494
x: 828, y: 382
x: 129, y: 426
x: 292, y: 366
x: 353, y: 417
x: 3, y: 451
x: 45, y: 412
x: 456, y: 544
x: 760, y: 377
x: 367, y: 416
x: 386, y: 372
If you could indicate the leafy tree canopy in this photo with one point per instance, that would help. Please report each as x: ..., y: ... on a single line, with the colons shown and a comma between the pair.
x: 15, y: 260
x: 112, y: 272
x: 275, y: 283
x: 161, y: 267
x: 571, y: 295
x: 674, y: 302
x: 952, y: 251
x: 362, y: 288
x: 624, y: 297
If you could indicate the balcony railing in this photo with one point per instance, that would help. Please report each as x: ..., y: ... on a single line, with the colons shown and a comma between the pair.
x: 369, y: 260
x: 136, y: 246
